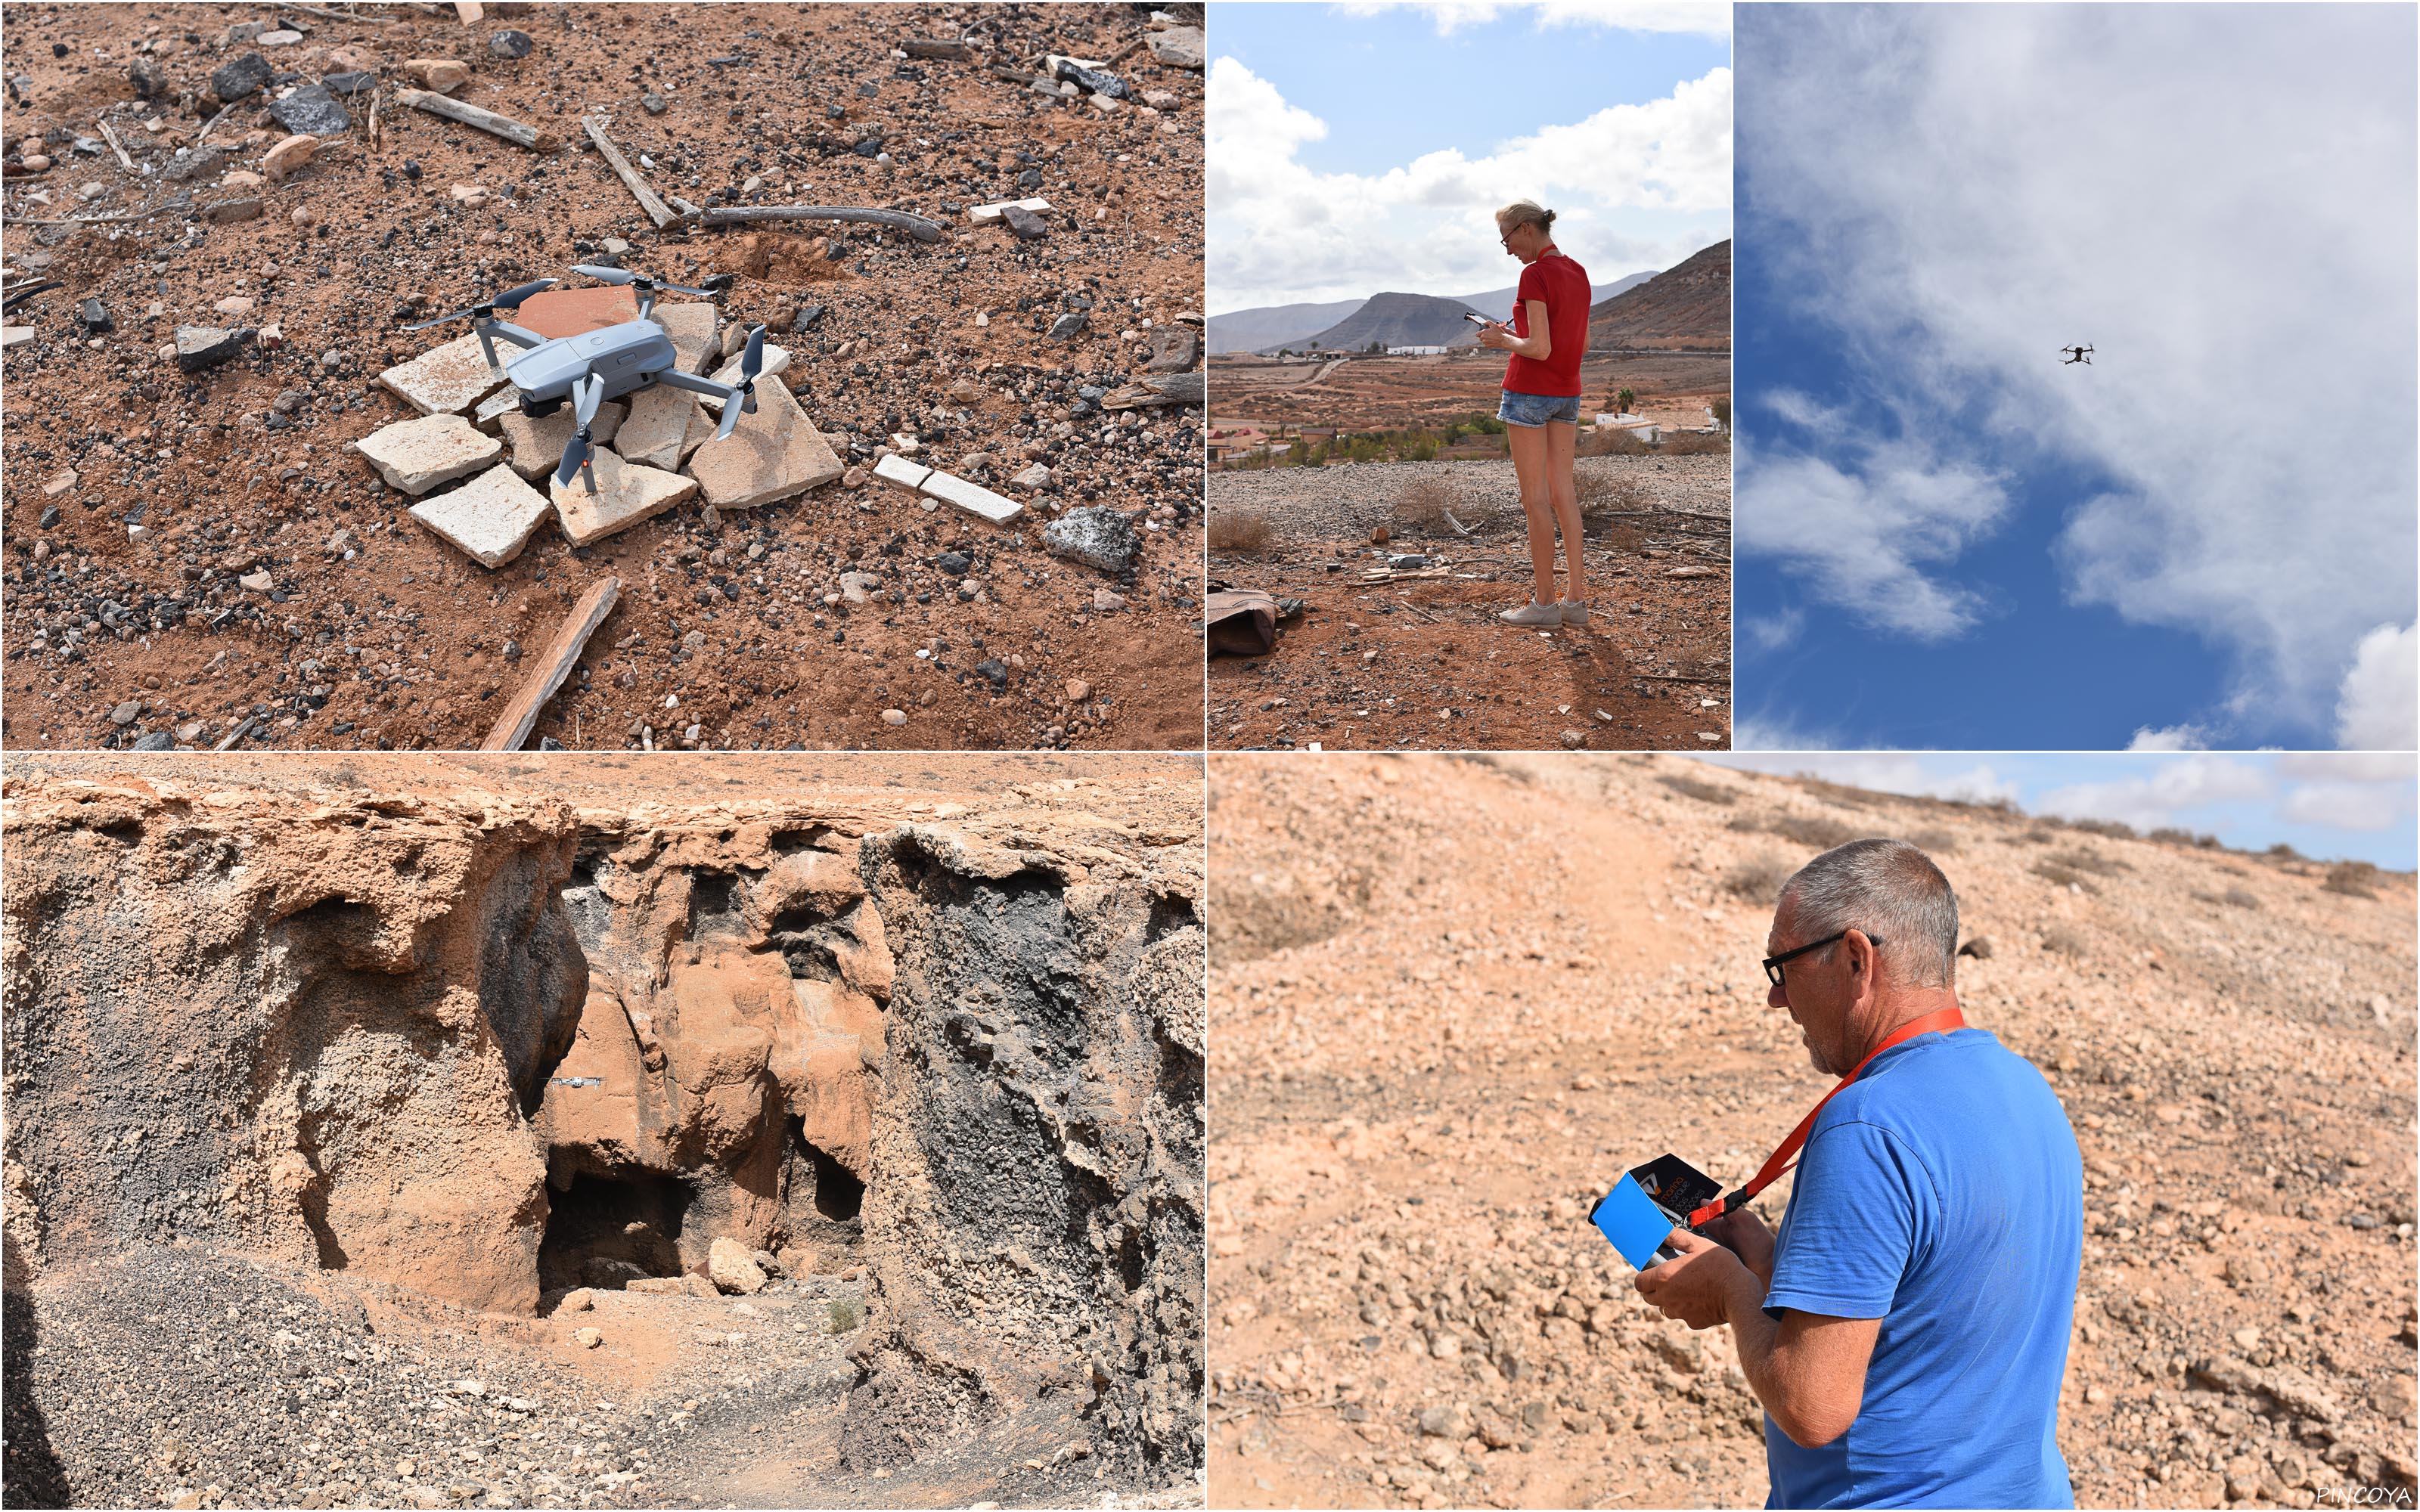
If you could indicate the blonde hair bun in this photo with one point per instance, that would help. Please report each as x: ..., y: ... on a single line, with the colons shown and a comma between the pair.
x: 1524, y: 212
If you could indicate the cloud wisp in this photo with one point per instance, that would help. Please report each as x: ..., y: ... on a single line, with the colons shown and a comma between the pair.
x: 1282, y: 231
x: 2221, y: 199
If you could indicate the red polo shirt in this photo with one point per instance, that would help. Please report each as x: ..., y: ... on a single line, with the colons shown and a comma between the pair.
x: 1564, y: 285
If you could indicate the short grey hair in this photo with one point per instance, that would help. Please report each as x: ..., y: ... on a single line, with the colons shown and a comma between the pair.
x: 1887, y: 889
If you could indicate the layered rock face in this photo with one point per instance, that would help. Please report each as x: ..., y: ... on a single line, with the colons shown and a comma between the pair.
x: 490, y: 1045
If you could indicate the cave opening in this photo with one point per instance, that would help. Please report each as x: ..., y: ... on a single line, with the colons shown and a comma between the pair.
x: 606, y: 1231
x: 822, y: 1200
x: 839, y: 1194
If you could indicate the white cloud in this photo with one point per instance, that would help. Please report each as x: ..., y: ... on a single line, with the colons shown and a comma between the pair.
x: 1865, y: 527
x: 1882, y: 772
x: 2375, y: 705
x: 2346, y: 766
x: 2348, y: 805
x: 1698, y: 18
x: 1771, y: 632
x: 2176, y: 738
x: 1282, y: 232
x: 1956, y: 191
x: 1754, y: 733
x: 2175, y: 786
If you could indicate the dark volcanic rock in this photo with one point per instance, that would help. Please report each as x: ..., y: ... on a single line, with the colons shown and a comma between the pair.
x: 201, y: 348
x: 247, y: 75
x: 311, y: 110
x: 347, y: 84
x: 509, y: 44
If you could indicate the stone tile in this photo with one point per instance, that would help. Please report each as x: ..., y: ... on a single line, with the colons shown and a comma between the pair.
x: 984, y: 214
x: 777, y: 361
x: 448, y: 380
x: 774, y: 453
x: 496, y: 406
x: 626, y: 494
x: 901, y: 473
x: 537, y: 445
x: 975, y: 500
x: 489, y: 517
x: 664, y: 427
x: 416, y: 455
x: 567, y: 312
x: 692, y: 328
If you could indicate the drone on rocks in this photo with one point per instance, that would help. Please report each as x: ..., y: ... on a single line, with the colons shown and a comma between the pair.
x: 596, y: 365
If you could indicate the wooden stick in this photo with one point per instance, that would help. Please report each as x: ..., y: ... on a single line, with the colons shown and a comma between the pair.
x: 486, y: 120
x: 123, y: 161
x: 649, y: 200
x: 337, y: 15
x: 513, y: 726
x: 916, y: 225
x: 224, y: 111
x: 243, y: 727
x: 374, y: 120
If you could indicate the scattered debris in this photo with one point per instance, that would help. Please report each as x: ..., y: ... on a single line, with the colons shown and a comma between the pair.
x: 202, y: 348
x: 486, y: 120
x: 915, y: 225
x: 649, y: 200
x: 553, y: 665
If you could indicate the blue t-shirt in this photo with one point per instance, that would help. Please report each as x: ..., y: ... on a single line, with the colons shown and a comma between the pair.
x: 1941, y: 1192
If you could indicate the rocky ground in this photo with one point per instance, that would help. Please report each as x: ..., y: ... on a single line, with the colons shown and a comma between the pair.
x: 1455, y: 997
x: 1381, y: 393
x: 191, y: 554
x: 1424, y: 662
x: 774, y: 1216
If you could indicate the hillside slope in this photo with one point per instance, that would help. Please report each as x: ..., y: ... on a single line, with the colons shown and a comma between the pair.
x: 1454, y: 999
x: 1686, y: 308
x: 1274, y: 324
x: 1398, y: 320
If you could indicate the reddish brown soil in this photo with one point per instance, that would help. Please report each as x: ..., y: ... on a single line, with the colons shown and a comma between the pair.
x: 1385, y: 393
x: 1455, y: 998
x: 385, y: 637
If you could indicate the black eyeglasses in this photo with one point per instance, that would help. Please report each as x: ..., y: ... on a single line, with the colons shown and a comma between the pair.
x: 1773, y: 963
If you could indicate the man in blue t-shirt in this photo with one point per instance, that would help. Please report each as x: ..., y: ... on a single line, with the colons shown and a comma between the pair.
x: 1907, y: 1329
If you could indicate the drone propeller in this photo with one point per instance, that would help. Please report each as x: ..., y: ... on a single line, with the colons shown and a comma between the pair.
x: 509, y: 300
x: 623, y: 275
x: 751, y: 364
x: 575, y: 454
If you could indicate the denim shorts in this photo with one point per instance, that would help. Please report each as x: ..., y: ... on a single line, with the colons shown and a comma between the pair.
x: 1537, y: 409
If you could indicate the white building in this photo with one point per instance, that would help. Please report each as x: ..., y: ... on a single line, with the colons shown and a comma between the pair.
x: 1415, y: 351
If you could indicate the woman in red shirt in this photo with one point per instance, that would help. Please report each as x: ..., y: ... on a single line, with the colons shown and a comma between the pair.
x: 1541, y: 409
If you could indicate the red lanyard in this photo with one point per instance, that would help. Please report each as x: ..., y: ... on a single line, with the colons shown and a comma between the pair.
x: 1937, y: 1023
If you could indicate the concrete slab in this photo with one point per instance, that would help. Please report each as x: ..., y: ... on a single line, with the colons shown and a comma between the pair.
x: 416, y: 455
x: 974, y: 499
x: 487, y: 412
x: 985, y: 214
x: 901, y: 473
x: 489, y: 519
x: 626, y: 494
x: 774, y: 453
x: 537, y: 445
x: 692, y: 328
x: 567, y: 312
x: 777, y: 361
x: 664, y: 427
x: 448, y: 380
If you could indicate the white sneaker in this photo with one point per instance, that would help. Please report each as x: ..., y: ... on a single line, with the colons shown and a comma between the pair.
x: 1532, y: 613
x: 1574, y: 610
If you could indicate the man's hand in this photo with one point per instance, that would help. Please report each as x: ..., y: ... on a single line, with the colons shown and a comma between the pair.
x: 1701, y: 1287
x: 1744, y: 1235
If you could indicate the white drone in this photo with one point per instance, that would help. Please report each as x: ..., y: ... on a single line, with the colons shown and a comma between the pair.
x: 597, y: 365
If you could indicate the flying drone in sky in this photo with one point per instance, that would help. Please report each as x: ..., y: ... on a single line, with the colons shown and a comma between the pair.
x: 2075, y: 355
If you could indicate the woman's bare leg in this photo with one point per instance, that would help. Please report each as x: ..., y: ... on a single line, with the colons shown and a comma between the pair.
x: 1561, y: 440
x: 1531, y: 464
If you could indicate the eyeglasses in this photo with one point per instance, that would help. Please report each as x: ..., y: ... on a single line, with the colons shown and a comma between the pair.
x: 1773, y: 963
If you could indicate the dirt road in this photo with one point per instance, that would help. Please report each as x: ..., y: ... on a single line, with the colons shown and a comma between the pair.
x: 1455, y: 997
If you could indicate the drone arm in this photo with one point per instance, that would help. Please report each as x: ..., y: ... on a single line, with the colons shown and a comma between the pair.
x: 517, y: 335
x: 672, y: 377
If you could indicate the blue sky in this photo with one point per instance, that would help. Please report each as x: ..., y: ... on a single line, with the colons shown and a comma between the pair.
x: 1948, y: 538
x: 1358, y: 149
x: 2329, y: 805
